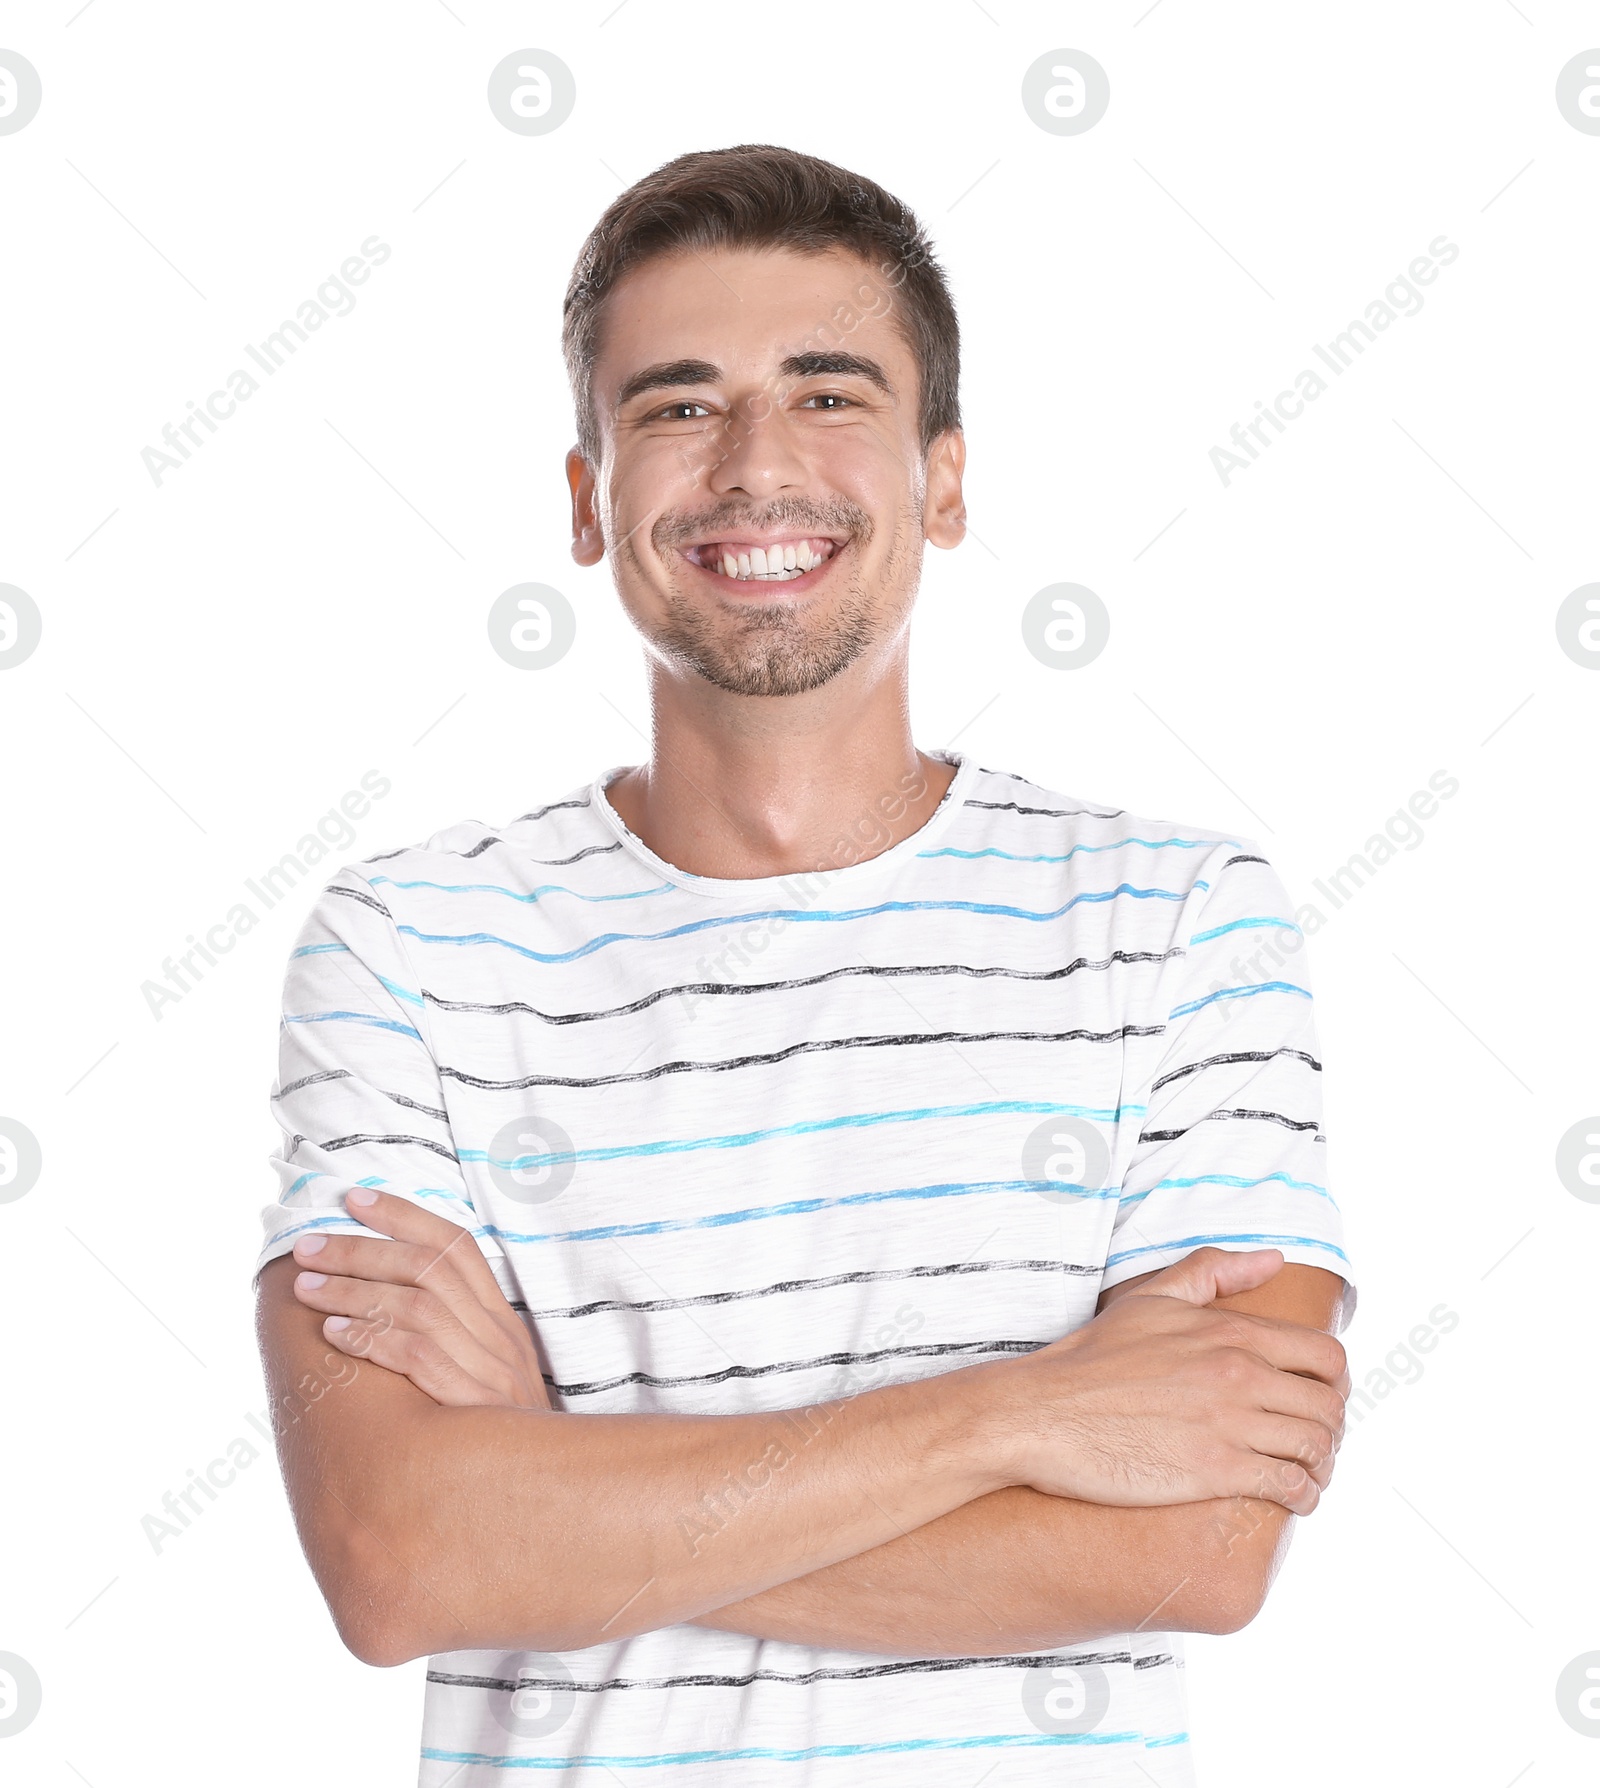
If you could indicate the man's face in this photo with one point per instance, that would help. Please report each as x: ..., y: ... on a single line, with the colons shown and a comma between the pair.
x: 762, y: 490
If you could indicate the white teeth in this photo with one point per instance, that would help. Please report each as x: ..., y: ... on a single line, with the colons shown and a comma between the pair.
x: 773, y: 564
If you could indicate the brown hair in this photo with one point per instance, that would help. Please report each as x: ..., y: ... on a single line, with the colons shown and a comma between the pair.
x: 757, y: 195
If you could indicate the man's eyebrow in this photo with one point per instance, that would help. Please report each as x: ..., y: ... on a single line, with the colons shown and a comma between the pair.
x: 672, y: 373
x: 666, y: 375
x: 806, y: 366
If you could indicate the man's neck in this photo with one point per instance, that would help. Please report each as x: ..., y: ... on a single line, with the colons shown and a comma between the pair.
x: 738, y: 787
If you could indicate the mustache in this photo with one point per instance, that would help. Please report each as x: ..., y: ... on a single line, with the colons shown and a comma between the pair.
x: 675, y: 528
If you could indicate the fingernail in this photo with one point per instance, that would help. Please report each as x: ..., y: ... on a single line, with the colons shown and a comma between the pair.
x: 310, y: 1244
x: 337, y: 1322
x: 362, y: 1195
x: 310, y: 1281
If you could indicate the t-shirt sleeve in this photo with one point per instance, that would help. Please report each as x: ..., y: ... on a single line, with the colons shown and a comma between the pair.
x: 1231, y: 1150
x: 358, y: 1097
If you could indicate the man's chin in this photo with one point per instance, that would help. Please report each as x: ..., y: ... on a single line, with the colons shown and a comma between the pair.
x: 770, y: 666
x: 774, y: 674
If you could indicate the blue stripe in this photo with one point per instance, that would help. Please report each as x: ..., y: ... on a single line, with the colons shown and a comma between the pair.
x: 401, y: 993
x: 798, y: 1207
x: 367, y: 1018
x: 1238, y: 993
x: 1150, y: 844
x: 805, y: 1126
x: 1229, y: 1179
x: 511, y: 893
x: 317, y: 950
x: 1205, y: 937
x: 377, y: 1179
x: 771, y: 1753
x: 334, y: 1220
x: 800, y: 916
x: 1201, y: 1241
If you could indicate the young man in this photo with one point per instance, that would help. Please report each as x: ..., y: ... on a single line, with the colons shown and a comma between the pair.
x: 803, y: 1258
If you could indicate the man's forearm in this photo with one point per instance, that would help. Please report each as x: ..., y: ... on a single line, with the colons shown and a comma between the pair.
x: 435, y: 1529
x: 1017, y: 1571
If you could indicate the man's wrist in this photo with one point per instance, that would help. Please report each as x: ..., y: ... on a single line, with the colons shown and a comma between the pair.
x: 970, y: 1435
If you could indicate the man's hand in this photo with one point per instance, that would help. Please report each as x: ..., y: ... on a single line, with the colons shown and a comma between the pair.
x: 1164, y: 1399
x: 425, y: 1305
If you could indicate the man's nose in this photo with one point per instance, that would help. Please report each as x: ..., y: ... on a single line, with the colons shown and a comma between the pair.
x: 756, y: 451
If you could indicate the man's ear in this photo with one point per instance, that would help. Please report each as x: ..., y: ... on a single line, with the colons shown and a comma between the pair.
x: 944, y: 513
x: 588, y: 543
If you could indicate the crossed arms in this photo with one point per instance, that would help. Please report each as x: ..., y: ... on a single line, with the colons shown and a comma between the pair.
x: 1138, y: 1473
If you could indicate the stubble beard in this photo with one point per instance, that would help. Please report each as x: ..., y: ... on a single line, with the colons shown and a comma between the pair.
x: 771, y: 650
x: 776, y: 646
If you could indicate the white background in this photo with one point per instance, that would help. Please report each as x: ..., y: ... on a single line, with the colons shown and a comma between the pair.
x: 224, y: 655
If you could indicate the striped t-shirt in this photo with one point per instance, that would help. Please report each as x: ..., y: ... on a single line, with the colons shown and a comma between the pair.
x: 750, y: 1145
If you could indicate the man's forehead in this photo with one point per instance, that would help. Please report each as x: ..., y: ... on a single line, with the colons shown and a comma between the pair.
x: 744, y: 311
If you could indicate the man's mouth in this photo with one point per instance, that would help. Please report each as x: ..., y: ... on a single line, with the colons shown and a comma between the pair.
x: 769, y: 561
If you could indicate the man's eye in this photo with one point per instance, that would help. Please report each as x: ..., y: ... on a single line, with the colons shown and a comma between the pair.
x: 670, y: 412
x: 833, y: 399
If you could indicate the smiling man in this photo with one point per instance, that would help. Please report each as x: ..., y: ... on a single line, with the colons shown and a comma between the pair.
x: 797, y: 1260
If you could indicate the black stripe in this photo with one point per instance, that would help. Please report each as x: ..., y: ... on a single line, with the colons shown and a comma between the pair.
x: 1270, y: 1117
x: 1245, y: 858
x: 920, y: 1350
x: 816, y: 1047
x: 589, y: 850
x: 540, y: 812
x: 424, y: 1142
x: 477, y: 850
x: 432, y: 1111
x: 305, y: 1080
x: 294, y: 1086
x: 483, y: 844
x: 802, y: 1678
x: 365, y: 898
x: 870, y: 1277
x: 1047, y: 812
x: 709, y: 988
x: 1243, y: 1055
